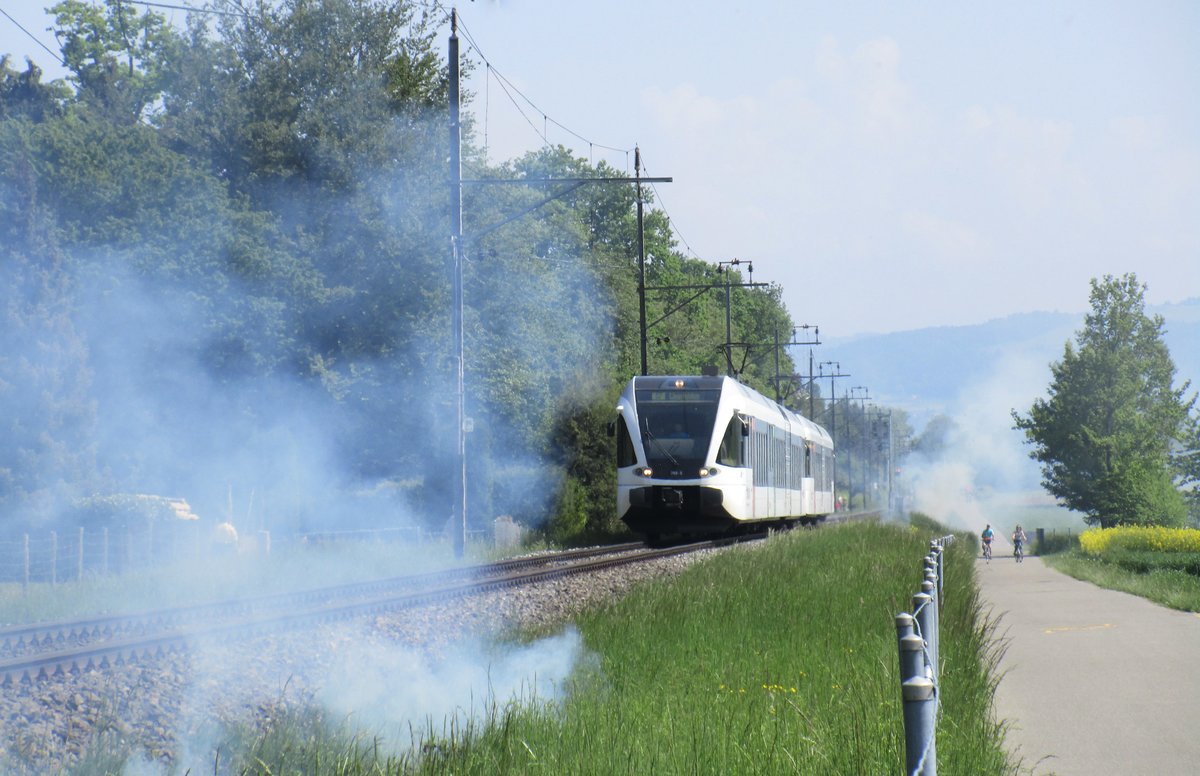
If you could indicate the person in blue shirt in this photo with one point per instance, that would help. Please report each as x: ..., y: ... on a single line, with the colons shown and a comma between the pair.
x: 988, y: 533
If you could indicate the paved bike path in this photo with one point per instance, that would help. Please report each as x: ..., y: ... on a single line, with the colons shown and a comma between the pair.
x: 1093, y: 681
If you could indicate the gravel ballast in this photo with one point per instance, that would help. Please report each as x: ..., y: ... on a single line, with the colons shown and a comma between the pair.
x: 411, y: 662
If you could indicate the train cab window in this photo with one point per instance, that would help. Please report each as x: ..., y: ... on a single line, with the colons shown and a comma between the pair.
x: 625, y: 453
x: 732, y: 451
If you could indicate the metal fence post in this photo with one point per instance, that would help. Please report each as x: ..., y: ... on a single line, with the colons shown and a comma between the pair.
x: 923, y: 611
x: 929, y: 589
x: 920, y: 720
x: 912, y: 648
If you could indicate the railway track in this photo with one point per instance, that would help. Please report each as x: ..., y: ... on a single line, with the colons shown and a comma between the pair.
x: 33, y: 652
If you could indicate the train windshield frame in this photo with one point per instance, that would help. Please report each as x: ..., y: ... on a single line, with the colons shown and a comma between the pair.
x: 676, y: 427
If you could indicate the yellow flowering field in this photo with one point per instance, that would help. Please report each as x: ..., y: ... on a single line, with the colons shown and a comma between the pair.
x: 1097, y: 541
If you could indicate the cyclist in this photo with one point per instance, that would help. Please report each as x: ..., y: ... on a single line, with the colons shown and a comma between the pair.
x: 988, y: 533
x: 1019, y: 538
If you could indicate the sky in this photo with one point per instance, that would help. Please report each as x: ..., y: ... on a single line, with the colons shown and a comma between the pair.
x: 891, y: 166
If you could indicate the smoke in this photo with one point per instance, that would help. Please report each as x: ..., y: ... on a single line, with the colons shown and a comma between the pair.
x: 403, y: 697
x: 390, y: 688
x: 982, y: 473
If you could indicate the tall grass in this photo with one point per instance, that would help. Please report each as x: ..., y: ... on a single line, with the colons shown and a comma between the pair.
x: 774, y: 660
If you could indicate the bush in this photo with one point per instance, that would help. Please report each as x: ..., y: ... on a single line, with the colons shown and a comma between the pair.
x: 1100, y: 541
x: 570, y: 514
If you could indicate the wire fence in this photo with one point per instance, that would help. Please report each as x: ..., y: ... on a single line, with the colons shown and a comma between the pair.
x: 75, y: 554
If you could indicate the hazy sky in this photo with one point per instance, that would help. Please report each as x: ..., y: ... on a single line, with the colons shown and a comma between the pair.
x: 890, y: 165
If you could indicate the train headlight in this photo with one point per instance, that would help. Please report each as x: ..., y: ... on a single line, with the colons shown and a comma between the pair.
x: 708, y: 471
x: 644, y: 471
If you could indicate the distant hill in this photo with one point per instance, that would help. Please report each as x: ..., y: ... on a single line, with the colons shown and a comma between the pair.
x: 1004, y: 361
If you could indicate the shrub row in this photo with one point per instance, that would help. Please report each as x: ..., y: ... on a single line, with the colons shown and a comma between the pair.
x: 1100, y: 541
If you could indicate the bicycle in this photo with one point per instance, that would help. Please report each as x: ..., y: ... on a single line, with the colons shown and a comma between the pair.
x: 987, y: 551
x: 1019, y: 551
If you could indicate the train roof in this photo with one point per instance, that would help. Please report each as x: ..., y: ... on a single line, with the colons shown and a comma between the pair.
x: 725, y: 383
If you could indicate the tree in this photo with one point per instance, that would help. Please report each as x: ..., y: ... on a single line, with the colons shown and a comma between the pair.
x: 24, y: 94
x: 1109, y: 435
x: 115, y: 56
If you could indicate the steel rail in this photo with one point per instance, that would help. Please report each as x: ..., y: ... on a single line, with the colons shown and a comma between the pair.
x: 58, y: 634
x: 118, y: 652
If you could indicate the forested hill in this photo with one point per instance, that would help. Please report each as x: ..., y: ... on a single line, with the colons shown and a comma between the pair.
x: 941, y: 369
x: 223, y: 277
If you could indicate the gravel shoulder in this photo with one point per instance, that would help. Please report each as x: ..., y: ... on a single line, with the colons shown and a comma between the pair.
x: 1094, y: 681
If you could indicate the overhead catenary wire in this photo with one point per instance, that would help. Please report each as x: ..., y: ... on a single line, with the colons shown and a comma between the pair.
x: 57, y: 56
x: 510, y: 89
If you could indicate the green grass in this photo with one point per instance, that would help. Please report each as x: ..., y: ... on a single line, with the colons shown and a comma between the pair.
x: 773, y: 659
x: 1170, y: 587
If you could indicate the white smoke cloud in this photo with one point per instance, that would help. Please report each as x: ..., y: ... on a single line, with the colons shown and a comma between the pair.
x: 984, y: 475
x: 389, y: 688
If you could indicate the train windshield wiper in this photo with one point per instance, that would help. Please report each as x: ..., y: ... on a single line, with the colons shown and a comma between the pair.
x: 661, y: 447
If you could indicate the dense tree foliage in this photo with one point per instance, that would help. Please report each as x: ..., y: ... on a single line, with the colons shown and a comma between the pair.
x: 224, y: 254
x: 1112, y: 435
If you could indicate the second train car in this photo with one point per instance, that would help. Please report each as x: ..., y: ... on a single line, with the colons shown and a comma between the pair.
x: 710, y: 455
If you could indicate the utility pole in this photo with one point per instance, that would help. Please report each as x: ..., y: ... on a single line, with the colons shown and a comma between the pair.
x: 779, y: 378
x: 459, y: 506
x: 458, y: 249
x: 837, y: 367
x: 637, y: 174
x: 862, y: 438
x: 700, y: 290
x: 891, y: 464
x: 726, y: 267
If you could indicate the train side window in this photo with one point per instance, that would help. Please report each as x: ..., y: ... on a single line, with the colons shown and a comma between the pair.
x: 625, y: 454
x: 733, y: 447
x: 808, y: 459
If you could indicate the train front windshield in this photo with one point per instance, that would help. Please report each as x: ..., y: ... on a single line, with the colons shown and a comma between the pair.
x: 676, y: 429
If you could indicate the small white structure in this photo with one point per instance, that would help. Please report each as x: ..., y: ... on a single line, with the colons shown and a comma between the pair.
x: 507, y: 532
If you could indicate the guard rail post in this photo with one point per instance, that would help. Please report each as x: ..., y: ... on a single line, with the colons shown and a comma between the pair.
x: 920, y: 726
x: 917, y: 638
x: 929, y: 588
x: 912, y: 648
x: 922, y: 604
x: 935, y: 549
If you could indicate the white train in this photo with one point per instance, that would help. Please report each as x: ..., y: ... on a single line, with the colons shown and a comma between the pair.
x: 709, y: 455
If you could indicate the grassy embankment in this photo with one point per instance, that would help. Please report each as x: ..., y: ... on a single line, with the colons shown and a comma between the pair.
x: 775, y: 659
x: 1160, y: 564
